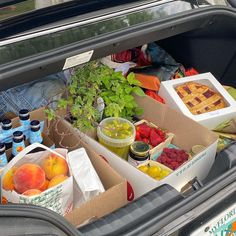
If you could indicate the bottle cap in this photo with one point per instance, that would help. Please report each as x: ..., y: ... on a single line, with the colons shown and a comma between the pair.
x: 35, y: 124
x: 139, y: 148
x: 6, y: 123
x: 23, y: 113
x: 18, y: 135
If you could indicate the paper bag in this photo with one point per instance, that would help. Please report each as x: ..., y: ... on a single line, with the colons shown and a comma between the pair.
x: 88, y: 183
x: 58, y: 198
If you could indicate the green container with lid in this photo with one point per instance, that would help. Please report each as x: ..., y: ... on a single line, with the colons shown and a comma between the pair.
x: 117, y: 134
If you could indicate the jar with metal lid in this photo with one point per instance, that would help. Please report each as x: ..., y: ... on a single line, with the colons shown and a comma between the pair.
x: 139, y: 153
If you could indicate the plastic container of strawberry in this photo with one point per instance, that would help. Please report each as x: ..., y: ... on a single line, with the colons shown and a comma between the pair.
x: 153, y: 135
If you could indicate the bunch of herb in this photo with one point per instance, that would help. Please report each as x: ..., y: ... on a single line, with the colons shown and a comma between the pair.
x: 94, y: 80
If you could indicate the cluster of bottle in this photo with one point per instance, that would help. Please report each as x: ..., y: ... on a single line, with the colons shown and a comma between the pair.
x: 17, y: 141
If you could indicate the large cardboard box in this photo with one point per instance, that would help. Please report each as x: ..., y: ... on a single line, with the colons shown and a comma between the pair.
x: 187, y: 134
x: 115, y: 195
x: 208, y: 119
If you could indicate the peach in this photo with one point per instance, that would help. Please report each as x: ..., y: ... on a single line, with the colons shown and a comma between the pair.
x: 7, y: 182
x: 28, y: 176
x: 57, y: 180
x: 45, y: 185
x: 54, y: 165
x: 4, y: 201
x: 31, y: 192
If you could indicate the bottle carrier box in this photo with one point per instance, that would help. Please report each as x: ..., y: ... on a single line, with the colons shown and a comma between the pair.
x: 115, y: 195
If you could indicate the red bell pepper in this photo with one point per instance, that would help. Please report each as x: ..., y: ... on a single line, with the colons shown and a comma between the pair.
x: 153, y: 95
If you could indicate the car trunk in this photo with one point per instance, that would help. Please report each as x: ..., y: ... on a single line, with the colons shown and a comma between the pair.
x: 205, y: 40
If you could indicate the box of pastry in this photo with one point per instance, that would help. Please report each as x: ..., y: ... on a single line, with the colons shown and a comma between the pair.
x: 200, y: 97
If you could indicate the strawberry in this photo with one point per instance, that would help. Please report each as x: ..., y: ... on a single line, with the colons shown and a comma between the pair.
x: 154, y: 138
x: 144, y: 130
x: 145, y: 140
x: 161, y: 134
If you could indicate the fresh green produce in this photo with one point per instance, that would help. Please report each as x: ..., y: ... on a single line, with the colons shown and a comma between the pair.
x: 92, y: 81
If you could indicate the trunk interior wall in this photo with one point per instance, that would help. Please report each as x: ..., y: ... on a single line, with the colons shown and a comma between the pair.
x: 210, y: 49
x: 206, y: 42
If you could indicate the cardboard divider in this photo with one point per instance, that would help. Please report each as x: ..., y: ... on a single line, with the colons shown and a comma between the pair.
x: 115, y: 195
x: 188, y: 133
x: 72, y: 140
x: 178, y: 124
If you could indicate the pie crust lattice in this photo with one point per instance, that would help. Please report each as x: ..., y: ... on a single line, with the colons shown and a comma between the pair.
x: 200, y: 98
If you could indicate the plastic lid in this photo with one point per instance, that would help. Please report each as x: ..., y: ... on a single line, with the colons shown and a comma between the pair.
x: 6, y: 123
x: 18, y: 135
x: 35, y: 124
x: 24, y: 113
x: 118, y: 142
x: 139, y: 148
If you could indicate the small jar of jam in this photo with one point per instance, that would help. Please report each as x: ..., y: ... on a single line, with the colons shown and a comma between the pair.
x: 139, y: 153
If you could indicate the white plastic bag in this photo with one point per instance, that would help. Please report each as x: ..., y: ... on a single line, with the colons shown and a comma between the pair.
x: 58, y: 198
x: 88, y: 184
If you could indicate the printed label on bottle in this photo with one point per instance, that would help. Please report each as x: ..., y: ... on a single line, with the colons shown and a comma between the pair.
x: 3, y: 160
x: 135, y: 163
x: 36, y: 137
x: 25, y: 123
x: 17, y: 147
x: 7, y: 135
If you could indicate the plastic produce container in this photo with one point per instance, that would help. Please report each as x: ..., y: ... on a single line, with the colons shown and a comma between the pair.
x: 116, y: 134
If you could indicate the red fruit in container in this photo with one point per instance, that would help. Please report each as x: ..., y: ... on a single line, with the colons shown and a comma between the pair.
x: 179, y: 159
x: 160, y: 133
x: 144, y: 130
x: 154, y: 138
x: 173, y: 158
x: 137, y: 136
x: 175, y: 164
x: 168, y: 160
x: 145, y: 140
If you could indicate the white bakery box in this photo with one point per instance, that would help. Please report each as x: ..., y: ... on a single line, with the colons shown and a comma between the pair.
x: 209, y: 119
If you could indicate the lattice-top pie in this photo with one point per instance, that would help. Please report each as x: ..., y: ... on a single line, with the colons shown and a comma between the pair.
x: 199, y: 98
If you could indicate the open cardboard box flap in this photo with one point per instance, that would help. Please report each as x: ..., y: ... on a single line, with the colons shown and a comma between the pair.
x: 187, y: 132
x: 115, y: 196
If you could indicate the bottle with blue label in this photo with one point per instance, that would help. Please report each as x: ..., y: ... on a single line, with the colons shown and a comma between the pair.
x: 35, y: 132
x: 18, y: 143
x: 24, y: 117
x: 3, y: 157
x: 7, y: 132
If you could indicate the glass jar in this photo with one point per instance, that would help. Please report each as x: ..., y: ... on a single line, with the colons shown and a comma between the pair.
x: 139, y: 153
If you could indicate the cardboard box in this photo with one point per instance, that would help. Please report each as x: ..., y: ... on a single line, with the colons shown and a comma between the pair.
x: 187, y: 134
x: 115, y: 196
x: 209, y: 119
